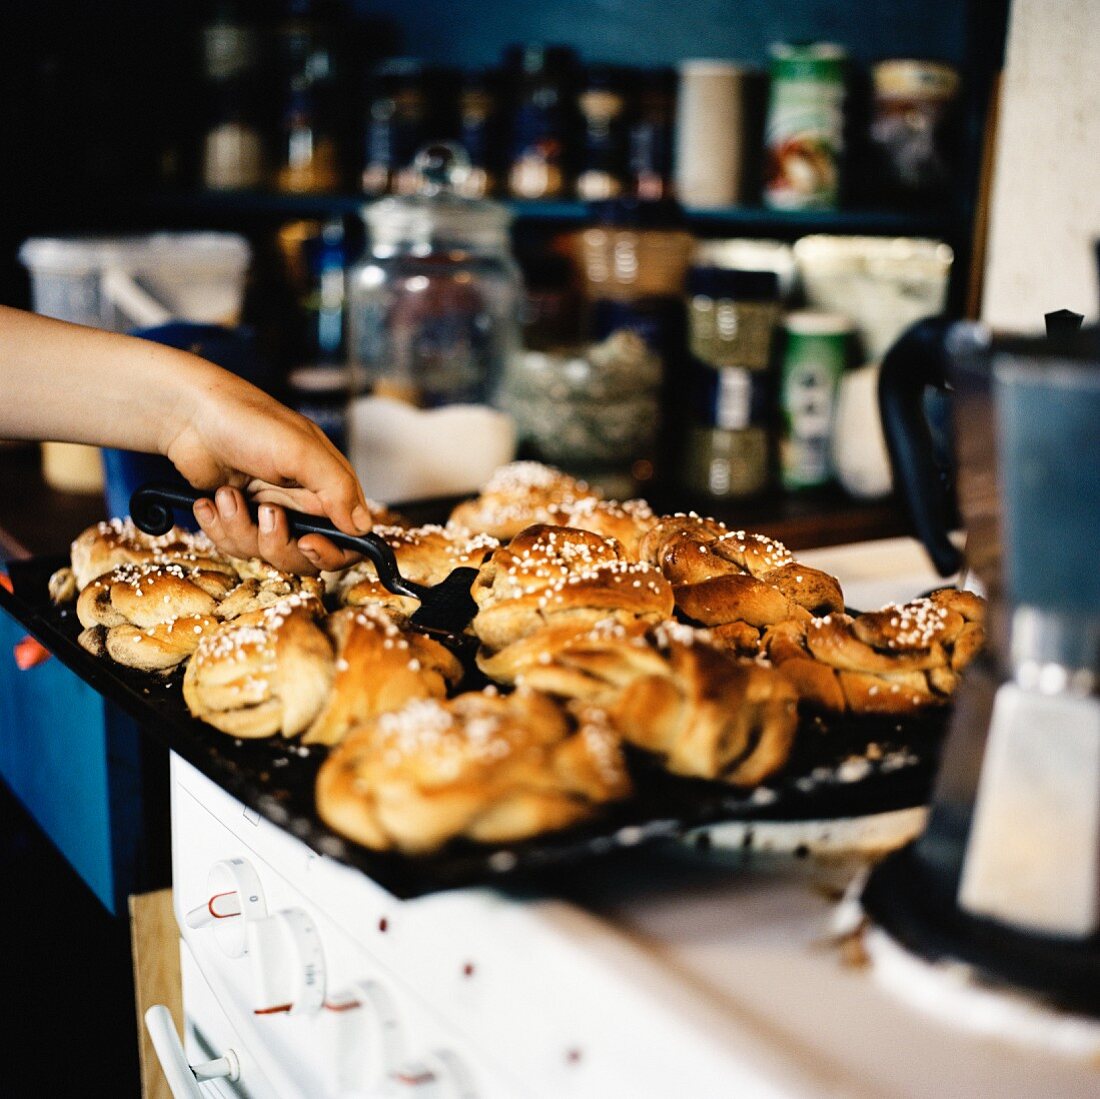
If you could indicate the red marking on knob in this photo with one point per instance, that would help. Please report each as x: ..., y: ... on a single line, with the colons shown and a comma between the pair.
x: 573, y: 1056
x: 468, y: 969
x: 346, y: 1005
x: 220, y: 915
x: 383, y: 924
x: 415, y: 1078
x: 275, y: 1010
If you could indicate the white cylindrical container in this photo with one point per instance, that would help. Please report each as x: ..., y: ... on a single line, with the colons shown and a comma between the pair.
x: 710, y: 126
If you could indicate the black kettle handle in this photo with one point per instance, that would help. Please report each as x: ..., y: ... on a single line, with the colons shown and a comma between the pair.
x: 916, y: 361
x: 152, y: 505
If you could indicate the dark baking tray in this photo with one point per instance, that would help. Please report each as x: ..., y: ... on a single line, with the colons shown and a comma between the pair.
x: 830, y: 774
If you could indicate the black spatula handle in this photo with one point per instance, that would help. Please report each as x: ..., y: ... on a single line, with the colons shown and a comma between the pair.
x: 152, y: 507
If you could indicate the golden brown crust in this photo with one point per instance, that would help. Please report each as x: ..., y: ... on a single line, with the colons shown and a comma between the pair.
x: 737, y: 597
x: 651, y: 548
x: 425, y: 555
x: 264, y: 673
x: 265, y: 589
x: 671, y: 692
x: 153, y: 615
x: 560, y: 579
x: 487, y: 767
x: 379, y: 668
x: 103, y: 547
x: 517, y: 496
x: 722, y: 576
x: 157, y: 648
x: 627, y: 521
x: 897, y: 660
x: 62, y: 586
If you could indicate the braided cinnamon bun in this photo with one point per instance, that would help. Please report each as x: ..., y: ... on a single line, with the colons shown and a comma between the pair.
x: 483, y: 766
x: 896, y: 660
x: 670, y: 691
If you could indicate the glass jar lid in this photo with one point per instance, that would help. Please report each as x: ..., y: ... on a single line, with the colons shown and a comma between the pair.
x: 438, y: 216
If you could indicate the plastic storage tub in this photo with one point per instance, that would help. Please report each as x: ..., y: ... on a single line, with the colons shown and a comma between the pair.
x: 123, y: 283
x: 120, y: 283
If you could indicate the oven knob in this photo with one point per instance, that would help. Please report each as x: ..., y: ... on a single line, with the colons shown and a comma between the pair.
x: 366, y: 1033
x: 234, y: 897
x: 288, y: 964
x: 436, y: 1075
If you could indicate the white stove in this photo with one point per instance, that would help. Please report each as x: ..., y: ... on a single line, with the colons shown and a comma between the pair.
x: 683, y: 973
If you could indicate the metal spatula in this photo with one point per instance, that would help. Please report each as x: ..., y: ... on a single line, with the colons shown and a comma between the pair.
x: 446, y: 606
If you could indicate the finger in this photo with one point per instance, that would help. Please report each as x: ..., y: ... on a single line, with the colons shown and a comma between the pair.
x: 206, y: 515
x: 325, y: 555
x: 238, y: 530
x: 277, y: 546
x: 318, y: 466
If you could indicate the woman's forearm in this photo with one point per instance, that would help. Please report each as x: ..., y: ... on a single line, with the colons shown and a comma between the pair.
x: 74, y: 384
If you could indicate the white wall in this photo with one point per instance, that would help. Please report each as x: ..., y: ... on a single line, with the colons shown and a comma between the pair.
x: 1045, y: 210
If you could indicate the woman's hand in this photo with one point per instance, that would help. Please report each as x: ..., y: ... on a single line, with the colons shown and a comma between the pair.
x: 83, y: 385
x: 227, y: 435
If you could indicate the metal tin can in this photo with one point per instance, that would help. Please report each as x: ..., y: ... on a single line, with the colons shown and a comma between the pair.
x: 814, y: 358
x: 804, y: 134
x: 912, y: 109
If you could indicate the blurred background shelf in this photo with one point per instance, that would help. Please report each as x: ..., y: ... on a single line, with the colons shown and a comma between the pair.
x: 757, y: 220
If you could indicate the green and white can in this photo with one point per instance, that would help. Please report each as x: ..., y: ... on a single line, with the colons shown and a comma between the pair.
x: 804, y: 133
x: 814, y: 358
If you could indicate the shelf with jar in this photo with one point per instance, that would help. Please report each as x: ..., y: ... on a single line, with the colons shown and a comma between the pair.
x: 808, y: 140
x: 759, y: 220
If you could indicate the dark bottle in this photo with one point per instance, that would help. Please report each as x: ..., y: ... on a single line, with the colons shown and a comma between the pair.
x: 308, y: 158
x: 552, y: 302
x: 602, y: 103
x: 650, y: 134
x: 234, y: 153
x: 397, y: 125
x: 543, y: 130
x: 326, y: 258
x: 479, y: 133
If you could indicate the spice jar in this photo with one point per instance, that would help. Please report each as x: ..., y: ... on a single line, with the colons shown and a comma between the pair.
x: 543, y: 123
x: 602, y: 104
x: 651, y: 135
x: 397, y: 125
x: 478, y: 109
x: 635, y: 250
x: 308, y: 159
x: 732, y: 319
x: 912, y: 105
x: 233, y: 152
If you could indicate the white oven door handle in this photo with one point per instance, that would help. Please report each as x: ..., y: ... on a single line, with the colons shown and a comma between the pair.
x: 184, y: 1078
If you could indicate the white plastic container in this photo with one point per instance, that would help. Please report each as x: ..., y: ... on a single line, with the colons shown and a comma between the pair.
x: 120, y: 283
x: 883, y: 284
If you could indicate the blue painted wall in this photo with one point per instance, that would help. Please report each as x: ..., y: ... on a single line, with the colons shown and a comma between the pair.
x: 660, y: 32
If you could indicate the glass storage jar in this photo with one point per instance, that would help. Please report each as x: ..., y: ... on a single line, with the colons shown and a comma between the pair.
x: 433, y: 320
